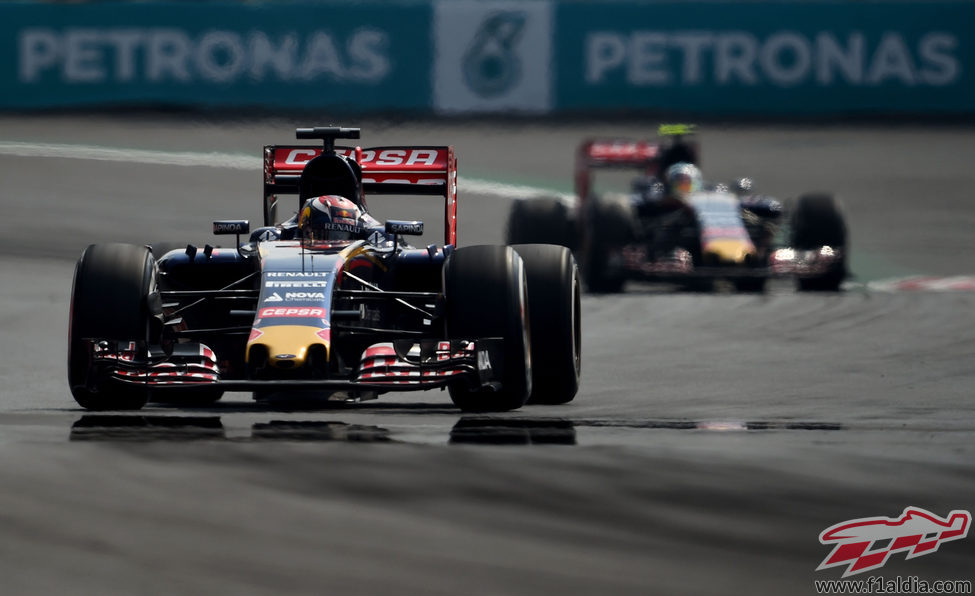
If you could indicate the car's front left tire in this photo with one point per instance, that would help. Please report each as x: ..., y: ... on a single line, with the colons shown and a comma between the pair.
x: 486, y: 295
x: 817, y: 221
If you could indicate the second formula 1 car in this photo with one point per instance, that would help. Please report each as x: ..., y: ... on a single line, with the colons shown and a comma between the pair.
x: 716, y: 231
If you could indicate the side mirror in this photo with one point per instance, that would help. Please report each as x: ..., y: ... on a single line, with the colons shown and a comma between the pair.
x: 405, y: 228
x: 231, y: 226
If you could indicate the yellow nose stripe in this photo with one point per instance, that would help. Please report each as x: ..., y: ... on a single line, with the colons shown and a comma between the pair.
x: 287, y: 343
x: 729, y: 251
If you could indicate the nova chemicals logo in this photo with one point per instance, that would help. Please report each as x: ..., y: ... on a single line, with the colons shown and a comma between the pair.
x: 866, y: 543
x: 491, y: 65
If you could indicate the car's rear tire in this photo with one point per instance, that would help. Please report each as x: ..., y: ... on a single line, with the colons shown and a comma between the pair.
x: 108, y: 301
x: 554, y: 302
x: 816, y: 222
x: 487, y: 296
x: 607, y: 230
x: 541, y: 221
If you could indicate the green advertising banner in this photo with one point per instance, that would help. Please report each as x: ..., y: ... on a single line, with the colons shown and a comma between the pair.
x: 363, y: 55
x: 488, y: 56
x: 767, y: 57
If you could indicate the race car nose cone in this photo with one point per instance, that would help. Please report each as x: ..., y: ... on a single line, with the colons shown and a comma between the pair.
x: 288, y: 346
x: 288, y: 360
x: 728, y: 252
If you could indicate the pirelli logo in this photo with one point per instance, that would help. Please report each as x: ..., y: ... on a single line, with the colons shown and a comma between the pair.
x: 296, y: 284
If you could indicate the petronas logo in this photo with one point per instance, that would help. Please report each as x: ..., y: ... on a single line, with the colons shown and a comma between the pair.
x: 491, y: 66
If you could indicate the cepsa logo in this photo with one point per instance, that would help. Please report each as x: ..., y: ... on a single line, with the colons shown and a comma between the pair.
x: 93, y: 55
x: 623, y: 150
x: 385, y: 157
x: 278, y: 312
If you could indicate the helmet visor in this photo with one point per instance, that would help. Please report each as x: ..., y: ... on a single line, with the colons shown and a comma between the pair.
x: 682, y: 185
x: 332, y: 232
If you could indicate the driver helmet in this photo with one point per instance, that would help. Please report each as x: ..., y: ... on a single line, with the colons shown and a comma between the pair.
x: 329, y: 218
x: 682, y: 179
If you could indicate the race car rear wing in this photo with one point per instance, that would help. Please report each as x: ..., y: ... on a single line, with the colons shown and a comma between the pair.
x: 613, y: 153
x: 394, y: 170
x: 650, y: 157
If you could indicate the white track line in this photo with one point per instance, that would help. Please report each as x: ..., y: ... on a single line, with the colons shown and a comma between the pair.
x: 923, y: 283
x: 146, y: 156
x: 473, y: 185
x: 235, y: 162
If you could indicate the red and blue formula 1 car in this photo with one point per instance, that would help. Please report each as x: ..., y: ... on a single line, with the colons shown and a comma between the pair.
x: 346, y: 309
x: 721, y: 231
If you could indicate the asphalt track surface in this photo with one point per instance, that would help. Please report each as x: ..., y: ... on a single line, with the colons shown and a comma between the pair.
x: 714, y: 437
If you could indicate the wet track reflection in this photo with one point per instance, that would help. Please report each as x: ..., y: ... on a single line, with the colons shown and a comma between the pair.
x: 468, y: 430
x: 105, y: 427
x: 528, y: 431
x: 311, y: 430
x: 97, y: 427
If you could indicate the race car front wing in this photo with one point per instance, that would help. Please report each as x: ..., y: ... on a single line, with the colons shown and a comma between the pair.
x: 783, y: 262
x: 403, y: 365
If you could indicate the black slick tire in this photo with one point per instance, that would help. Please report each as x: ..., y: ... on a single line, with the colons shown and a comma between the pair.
x: 108, y: 301
x: 608, y: 229
x: 554, y: 303
x: 816, y: 222
x: 486, y: 296
x: 541, y: 221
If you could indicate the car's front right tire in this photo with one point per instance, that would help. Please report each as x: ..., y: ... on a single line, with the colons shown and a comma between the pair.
x: 554, y: 294
x: 108, y: 302
x: 607, y: 230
